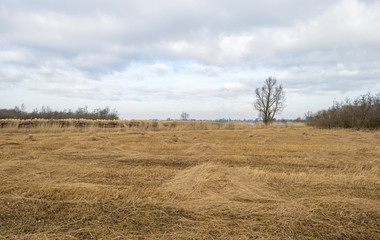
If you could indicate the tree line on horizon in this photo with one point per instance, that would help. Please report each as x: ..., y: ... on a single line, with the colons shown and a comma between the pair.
x: 363, y: 112
x: 47, y: 113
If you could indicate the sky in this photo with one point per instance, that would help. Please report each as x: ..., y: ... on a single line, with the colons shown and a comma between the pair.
x: 156, y: 59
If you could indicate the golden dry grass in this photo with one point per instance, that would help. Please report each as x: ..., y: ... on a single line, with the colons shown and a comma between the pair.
x: 191, y: 181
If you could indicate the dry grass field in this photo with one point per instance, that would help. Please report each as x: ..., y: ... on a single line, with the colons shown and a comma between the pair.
x: 191, y: 181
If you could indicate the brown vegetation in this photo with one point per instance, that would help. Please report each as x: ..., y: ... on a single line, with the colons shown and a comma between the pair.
x: 47, y: 113
x: 363, y: 112
x: 81, y: 124
x: 187, y: 180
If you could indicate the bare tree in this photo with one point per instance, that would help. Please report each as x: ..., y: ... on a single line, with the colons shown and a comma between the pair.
x: 269, y: 100
x: 185, y: 116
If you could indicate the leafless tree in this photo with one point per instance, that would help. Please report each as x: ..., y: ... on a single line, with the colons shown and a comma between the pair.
x: 363, y: 112
x: 269, y: 100
x: 185, y: 116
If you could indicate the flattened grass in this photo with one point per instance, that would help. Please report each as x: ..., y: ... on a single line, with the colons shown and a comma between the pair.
x: 241, y: 182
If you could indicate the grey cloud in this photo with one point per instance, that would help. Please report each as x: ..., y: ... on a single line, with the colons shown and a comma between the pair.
x: 222, y: 91
x: 88, y: 40
x: 91, y: 25
x: 337, y: 79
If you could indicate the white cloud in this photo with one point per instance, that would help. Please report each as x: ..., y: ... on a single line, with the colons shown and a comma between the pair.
x: 208, y: 49
x: 13, y: 56
x: 160, y: 68
x: 234, y: 47
x: 348, y: 73
x: 233, y: 86
x: 203, y: 69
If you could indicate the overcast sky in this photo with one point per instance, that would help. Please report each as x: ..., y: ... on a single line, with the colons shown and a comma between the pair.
x: 155, y: 59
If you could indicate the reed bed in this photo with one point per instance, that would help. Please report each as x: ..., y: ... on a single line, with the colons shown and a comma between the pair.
x: 117, y: 124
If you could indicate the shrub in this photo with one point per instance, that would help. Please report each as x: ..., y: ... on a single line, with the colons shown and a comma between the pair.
x: 363, y: 112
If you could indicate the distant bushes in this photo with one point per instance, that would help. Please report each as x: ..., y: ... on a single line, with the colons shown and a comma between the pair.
x: 363, y: 112
x: 48, y: 113
x: 60, y: 123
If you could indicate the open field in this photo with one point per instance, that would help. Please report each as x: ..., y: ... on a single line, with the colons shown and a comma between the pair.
x: 189, y: 181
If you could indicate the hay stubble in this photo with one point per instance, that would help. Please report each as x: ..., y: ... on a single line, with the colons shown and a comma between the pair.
x: 287, y: 181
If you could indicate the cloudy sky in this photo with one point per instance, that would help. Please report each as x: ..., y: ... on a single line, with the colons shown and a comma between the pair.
x: 155, y: 59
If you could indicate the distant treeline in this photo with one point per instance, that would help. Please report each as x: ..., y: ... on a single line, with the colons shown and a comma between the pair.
x: 363, y: 112
x: 48, y: 113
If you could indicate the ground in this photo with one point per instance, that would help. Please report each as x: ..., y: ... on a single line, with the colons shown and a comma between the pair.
x: 285, y: 181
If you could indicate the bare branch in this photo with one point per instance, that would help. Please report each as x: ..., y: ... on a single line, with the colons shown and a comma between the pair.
x: 269, y: 100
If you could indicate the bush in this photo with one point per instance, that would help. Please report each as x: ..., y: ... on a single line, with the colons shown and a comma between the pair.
x: 363, y: 112
x: 48, y: 113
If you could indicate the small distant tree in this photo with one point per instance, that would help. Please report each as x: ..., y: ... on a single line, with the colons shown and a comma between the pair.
x: 185, y: 116
x: 270, y: 100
